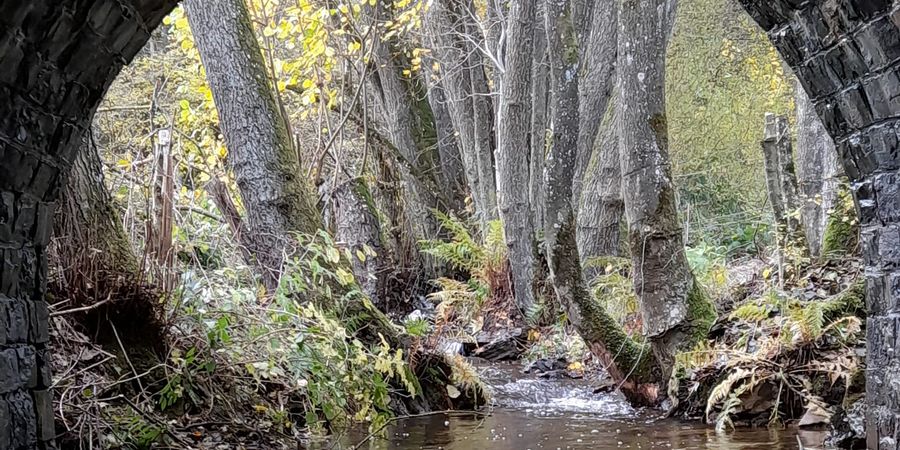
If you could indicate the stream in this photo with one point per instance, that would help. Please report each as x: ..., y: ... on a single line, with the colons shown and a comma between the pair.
x: 534, y: 413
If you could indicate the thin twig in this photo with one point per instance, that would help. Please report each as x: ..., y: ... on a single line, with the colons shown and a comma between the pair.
x: 127, y: 359
x: 200, y: 211
x: 81, y: 309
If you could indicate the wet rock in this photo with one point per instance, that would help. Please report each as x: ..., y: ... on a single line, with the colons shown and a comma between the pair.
x: 546, y: 365
x: 608, y: 386
x: 450, y: 347
x: 815, y: 416
x: 849, y: 427
x: 553, y: 369
x: 506, y: 345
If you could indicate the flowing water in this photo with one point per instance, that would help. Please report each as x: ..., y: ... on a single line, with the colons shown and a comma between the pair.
x: 531, y: 413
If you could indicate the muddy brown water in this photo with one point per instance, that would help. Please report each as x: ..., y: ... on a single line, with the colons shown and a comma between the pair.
x: 530, y: 413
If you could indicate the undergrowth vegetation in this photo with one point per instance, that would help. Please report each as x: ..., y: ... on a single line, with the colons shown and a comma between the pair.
x: 314, y: 357
x: 483, y: 299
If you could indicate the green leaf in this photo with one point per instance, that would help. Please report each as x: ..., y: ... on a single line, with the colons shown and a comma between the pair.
x: 333, y: 254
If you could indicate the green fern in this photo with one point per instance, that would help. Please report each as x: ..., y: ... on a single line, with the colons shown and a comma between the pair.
x: 756, y: 311
x: 805, y: 323
x: 461, y: 251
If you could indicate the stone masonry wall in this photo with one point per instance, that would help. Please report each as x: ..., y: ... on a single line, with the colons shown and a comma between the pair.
x: 846, y: 54
x: 57, y: 58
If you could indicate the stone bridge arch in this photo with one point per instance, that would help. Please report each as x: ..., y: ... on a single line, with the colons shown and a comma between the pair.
x: 846, y: 54
x: 58, y: 57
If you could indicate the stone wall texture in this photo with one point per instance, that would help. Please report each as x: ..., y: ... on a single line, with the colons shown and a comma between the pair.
x: 846, y: 54
x: 57, y: 58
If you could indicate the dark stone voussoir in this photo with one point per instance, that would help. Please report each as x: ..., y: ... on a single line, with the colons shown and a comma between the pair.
x: 846, y: 54
x: 57, y: 58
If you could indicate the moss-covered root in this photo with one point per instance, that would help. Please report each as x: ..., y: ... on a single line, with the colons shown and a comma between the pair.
x: 842, y: 229
x: 630, y: 364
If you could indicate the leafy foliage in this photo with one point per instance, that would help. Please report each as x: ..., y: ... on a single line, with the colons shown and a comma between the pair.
x: 461, y: 250
x: 614, y: 289
x: 486, y: 265
x: 718, y: 89
x: 308, y: 341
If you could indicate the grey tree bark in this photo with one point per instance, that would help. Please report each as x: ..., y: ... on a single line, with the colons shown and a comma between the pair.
x: 94, y: 254
x: 537, y: 144
x: 595, y: 84
x: 597, y: 182
x: 404, y: 116
x: 452, y: 172
x: 514, y: 124
x: 461, y: 73
x: 628, y: 363
x: 781, y: 179
x: 818, y: 170
x: 356, y: 228
x: 602, y: 208
x: 409, y: 126
x: 773, y: 173
x: 676, y: 312
x: 484, y: 135
x: 277, y: 199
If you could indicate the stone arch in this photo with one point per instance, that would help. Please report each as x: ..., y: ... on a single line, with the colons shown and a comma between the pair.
x: 846, y: 54
x: 57, y: 58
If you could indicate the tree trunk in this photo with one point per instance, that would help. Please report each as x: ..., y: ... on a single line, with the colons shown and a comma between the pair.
x: 514, y: 123
x: 398, y: 231
x: 540, y: 84
x: 628, y: 363
x: 357, y: 229
x: 445, y: 23
x: 277, y: 199
x: 403, y: 112
x: 94, y: 254
x: 221, y: 196
x: 773, y: 175
x: 595, y: 84
x: 675, y: 310
x: 779, y: 161
x: 452, y: 173
x: 559, y: 230
x: 462, y: 73
x: 495, y: 40
x: 484, y: 136
x: 602, y: 208
x: 818, y: 171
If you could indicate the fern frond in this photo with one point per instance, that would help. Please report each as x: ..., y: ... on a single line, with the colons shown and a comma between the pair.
x: 723, y: 389
x: 752, y: 312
